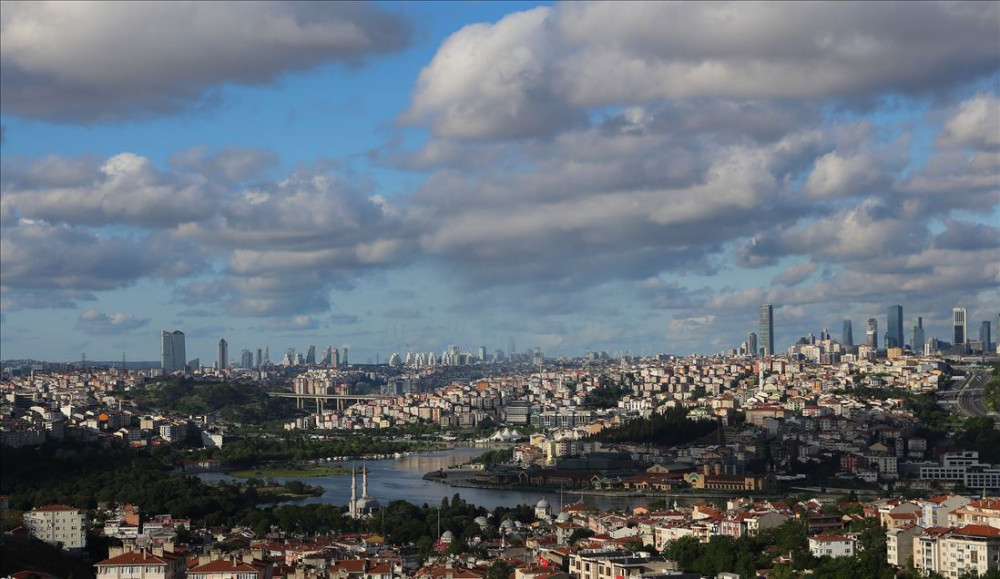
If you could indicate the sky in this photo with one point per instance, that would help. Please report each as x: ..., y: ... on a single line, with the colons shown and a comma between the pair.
x: 625, y: 177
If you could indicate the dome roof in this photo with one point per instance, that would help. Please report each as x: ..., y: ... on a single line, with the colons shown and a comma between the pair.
x: 481, y: 521
x: 542, y: 504
x: 563, y: 517
x: 447, y: 536
x: 367, y: 503
x: 507, y: 524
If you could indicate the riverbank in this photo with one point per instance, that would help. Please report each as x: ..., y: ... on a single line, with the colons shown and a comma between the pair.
x: 464, y: 479
x: 312, y: 471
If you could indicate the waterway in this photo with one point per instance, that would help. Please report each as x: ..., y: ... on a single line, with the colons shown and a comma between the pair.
x: 402, y: 478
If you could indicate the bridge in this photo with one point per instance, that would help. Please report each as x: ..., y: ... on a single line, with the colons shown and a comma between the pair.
x: 342, y: 399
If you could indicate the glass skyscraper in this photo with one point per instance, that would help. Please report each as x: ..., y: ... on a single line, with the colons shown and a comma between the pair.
x: 223, y: 354
x: 848, y: 338
x: 961, y: 327
x: 767, y: 329
x: 172, y: 354
x: 917, y: 339
x: 894, y: 332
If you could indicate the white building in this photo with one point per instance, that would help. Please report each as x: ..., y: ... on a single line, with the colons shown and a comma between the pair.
x: 831, y: 546
x: 59, y: 525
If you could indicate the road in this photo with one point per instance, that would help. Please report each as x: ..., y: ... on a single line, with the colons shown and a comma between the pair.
x: 970, y: 397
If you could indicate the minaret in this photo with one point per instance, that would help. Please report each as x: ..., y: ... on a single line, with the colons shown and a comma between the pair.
x: 364, y: 480
x: 352, y: 508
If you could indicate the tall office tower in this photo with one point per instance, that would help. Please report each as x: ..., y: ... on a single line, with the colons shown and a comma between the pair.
x: 752, y: 344
x: 482, y: 353
x: 260, y: 358
x: 871, y: 335
x: 511, y: 352
x: 894, y: 333
x: 344, y: 359
x: 223, y: 354
x: 961, y: 334
x: 824, y: 335
x: 267, y: 356
x: 917, y: 339
x: 246, y: 359
x: 984, y: 337
x: 172, y: 354
x: 848, y: 338
x: 311, y: 354
x: 335, y: 358
x: 767, y: 329
x: 289, y: 358
x: 327, y: 354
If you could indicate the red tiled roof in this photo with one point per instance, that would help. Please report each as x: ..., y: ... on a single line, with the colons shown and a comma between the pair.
x: 978, y: 531
x: 140, y: 558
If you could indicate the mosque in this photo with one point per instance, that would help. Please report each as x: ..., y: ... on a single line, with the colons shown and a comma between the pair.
x: 366, y: 505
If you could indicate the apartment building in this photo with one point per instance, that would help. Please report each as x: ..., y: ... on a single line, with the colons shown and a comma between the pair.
x: 59, y: 525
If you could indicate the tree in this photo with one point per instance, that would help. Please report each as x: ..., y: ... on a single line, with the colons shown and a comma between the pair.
x: 499, y: 570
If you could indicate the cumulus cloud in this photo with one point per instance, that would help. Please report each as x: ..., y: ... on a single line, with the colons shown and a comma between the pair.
x: 98, y: 322
x: 126, y: 188
x: 796, y: 273
x: 116, y: 62
x: 527, y: 73
x: 296, y: 323
x: 976, y: 123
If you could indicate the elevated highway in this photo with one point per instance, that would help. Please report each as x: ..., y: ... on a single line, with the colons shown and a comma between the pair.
x: 343, y: 400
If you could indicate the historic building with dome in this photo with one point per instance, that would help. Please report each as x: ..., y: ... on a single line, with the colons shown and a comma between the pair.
x: 366, y: 505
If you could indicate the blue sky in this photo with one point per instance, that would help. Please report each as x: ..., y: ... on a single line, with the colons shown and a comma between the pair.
x: 624, y: 177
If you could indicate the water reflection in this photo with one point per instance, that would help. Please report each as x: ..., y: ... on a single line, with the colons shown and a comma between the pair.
x: 402, y: 478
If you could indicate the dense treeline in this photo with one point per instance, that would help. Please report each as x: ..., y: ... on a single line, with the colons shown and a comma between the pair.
x: 236, y: 402
x: 991, y: 392
x: 669, y: 428
x: 298, y: 446
x: 606, y: 396
x: 747, y: 555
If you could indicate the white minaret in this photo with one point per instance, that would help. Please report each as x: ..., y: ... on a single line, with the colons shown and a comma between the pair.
x: 364, y: 480
x: 352, y: 508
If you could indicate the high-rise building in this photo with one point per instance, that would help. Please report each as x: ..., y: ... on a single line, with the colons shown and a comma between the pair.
x: 752, y: 344
x: 984, y: 337
x: 343, y: 359
x: 871, y: 334
x: 223, y: 354
x: 961, y: 327
x: 335, y: 358
x: 267, y: 356
x: 767, y: 329
x: 848, y: 338
x: 917, y: 337
x: 311, y: 354
x: 246, y: 359
x: 260, y: 358
x: 172, y: 354
x: 894, y: 332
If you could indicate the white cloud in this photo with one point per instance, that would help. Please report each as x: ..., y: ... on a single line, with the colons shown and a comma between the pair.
x: 97, y: 322
x: 529, y: 72
x: 122, y: 61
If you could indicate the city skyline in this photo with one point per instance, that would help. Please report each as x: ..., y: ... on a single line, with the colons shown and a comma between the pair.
x: 629, y: 177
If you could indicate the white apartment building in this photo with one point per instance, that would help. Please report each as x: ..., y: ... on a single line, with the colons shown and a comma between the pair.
x: 973, y: 548
x: 831, y: 546
x: 59, y: 525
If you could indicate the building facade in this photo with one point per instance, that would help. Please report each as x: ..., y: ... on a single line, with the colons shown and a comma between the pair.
x: 172, y: 353
x: 58, y: 525
x: 767, y: 329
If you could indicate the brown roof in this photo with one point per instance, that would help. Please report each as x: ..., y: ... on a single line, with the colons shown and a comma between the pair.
x: 57, y: 508
x: 140, y: 558
x: 223, y: 565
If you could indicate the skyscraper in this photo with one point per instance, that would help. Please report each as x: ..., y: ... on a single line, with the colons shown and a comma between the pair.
x: 767, y: 329
x: 871, y: 334
x: 848, y: 337
x: 917, y: 339
x: 223, y: 354
x: 311, y: 354
x: 984, y: 336
x: 246, y: 359
x: 752, y: 344
x: 172, y: 354
x: 260, y: 358
x: 335, y: 358
x: 894, y: 332
x: 961, y: 327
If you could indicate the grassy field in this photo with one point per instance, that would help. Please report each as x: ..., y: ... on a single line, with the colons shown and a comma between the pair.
x: 292, y: 472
